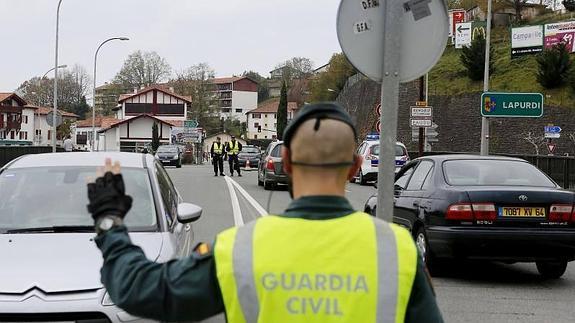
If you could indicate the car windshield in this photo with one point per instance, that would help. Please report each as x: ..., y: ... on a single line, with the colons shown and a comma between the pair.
x: 250, y: 150
x: 494, y: 173
x: 57, y: 196
x: 399, y: 150
x: 170, y: 149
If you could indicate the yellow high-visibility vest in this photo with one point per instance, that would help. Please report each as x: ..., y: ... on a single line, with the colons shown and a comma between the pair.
x: 218, y: 148
x: 234, y: 149
x: 276, y: 269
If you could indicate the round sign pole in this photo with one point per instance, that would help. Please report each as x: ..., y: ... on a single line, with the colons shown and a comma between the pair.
x: 389, y: 108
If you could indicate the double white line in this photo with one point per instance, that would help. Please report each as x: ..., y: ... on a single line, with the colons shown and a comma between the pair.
x: 232, y: 186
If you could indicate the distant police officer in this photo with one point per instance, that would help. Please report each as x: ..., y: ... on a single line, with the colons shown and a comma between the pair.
x: 217, y: 152
x: 233, y: 148
x: 320, y: 261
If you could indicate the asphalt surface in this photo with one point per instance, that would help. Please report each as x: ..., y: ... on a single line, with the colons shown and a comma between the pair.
x: 468, y: 292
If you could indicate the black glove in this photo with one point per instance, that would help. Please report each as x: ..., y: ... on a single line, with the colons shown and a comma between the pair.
x: 107, y: 197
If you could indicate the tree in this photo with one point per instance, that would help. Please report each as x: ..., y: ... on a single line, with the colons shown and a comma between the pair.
x: 295, y: 68
x: 233, y: 127
x: 73, y: 86
x: 143, y: 69
x: 473, y: 58
x: 80, y: 108
x: 65, y: 129
x: 536, y: 141
x: 554, y: 66
x: 197, y: 81
x: 282, y: 112
x: 328, y: 84
x: 569, y: 5
x: 155, y: 137
x: 263, y: 86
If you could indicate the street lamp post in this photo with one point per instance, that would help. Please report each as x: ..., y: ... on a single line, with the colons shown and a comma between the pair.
x: 53, y: 68
x: 54, y: 133
x: 94, y: 89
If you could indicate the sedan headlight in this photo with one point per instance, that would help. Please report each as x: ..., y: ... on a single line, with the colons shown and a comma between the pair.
x: 157, y: 157
x: 175, y: 157
x: 106, y: 300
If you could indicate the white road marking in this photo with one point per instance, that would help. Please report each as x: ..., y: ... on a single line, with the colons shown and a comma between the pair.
x: 238, y: 219
x: 249, y: 198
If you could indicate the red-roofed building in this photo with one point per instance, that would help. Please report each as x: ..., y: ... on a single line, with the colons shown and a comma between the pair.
x: 132, y: 134
x: 83, y: 130
x: 262, y: 122
x: 236, y: 96
x: 11, y: 117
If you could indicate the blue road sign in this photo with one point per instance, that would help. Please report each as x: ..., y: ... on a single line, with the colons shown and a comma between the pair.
x: 553, y: 129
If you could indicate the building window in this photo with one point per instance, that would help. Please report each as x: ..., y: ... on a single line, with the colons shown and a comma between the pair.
x: 2, y: 136
x: 256, y: 124
x: 266, y: 125
x: 12, y: 135
x: 25, y: 120
x: 265, y: 137
x: 239, y: 110
x: 274, y: 137
x: 226, y: 110
x: 257, y: 115
x: 23, y: 135
x: 255, y: 136
x: 49, y: 134
x: 275, y: 116
x: 275, y: 125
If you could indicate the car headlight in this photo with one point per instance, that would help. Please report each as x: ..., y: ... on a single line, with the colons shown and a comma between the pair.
x: 157, y: 157
x: 175, y: 157
x: 106, y: 300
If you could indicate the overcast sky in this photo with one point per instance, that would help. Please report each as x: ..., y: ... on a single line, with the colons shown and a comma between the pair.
x: 230, y: 35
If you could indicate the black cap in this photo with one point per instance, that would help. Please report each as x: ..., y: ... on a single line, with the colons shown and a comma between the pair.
x: 319, y: 111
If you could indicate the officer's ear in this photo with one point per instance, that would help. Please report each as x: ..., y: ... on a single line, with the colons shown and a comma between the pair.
x: 357, y: 161
x: 286, y: 159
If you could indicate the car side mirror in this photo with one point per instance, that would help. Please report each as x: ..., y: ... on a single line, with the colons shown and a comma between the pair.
x: 375, y: 184
x: 188, y: 212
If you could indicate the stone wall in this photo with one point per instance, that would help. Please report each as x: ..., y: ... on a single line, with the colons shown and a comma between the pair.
x: 459, y: 121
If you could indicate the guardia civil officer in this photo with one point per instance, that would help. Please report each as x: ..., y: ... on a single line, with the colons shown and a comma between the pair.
x: 318, y: 261
x: 217, y: 153
x: 233, y: 148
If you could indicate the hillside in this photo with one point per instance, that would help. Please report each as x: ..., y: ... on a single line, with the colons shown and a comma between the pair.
x: 517, y: 75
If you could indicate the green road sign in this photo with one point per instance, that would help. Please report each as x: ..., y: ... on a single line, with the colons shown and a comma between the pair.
x: 512, y: 105
x: 190, y: 124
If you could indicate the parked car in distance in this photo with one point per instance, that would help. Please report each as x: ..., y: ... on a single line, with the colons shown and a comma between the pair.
x: 250, y: 153
x: 494, y: 208
x: 270, y: 170
x: 170, y: 155
x: 47, y: 235
x: 369, y: 150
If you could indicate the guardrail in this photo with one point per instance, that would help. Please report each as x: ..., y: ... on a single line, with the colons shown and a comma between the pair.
x: 561, y: 169
x: 8, y: 153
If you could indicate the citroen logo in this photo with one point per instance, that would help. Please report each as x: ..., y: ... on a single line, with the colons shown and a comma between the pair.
x: 523, y: 198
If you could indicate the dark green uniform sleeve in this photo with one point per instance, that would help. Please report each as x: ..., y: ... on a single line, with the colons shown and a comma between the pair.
x: 185, y: 289
x: 422, y: 306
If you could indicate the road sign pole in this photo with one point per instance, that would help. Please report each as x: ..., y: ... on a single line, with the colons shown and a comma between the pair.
x: 484, y: 120
x: 393, y: 13
x: 421, y: 129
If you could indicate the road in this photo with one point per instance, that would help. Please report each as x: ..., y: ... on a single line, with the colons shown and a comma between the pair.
x: 470, y: 292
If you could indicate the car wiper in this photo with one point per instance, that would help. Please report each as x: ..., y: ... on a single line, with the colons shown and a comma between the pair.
x: 54, y: 229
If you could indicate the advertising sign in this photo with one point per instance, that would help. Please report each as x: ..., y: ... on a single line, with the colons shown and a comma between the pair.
x: 182, y: 135
x: 526, y: 40
x: 468, y: 31
x: 560, y: 32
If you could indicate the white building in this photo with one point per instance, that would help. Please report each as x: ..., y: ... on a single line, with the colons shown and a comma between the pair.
x: 236, y: 96
x: 262, y: 122
x: 133, y: 133
x: 136, y: 114
x: 83, y: 130
x: 23, y: 124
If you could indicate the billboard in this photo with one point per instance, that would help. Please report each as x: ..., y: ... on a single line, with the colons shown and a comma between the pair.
x: 182, y: 135
x: 526, y: 40
x: 556, y: 33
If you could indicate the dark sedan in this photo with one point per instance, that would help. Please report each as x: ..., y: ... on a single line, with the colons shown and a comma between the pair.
x: 170, y: 155
x: 494, y: 208
x: 251, y: 154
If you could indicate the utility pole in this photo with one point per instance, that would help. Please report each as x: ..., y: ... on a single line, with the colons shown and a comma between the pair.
x: 484, y: 120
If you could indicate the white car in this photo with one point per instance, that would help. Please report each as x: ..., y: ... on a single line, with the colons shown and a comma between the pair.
x: 50, y: 264
x: 369, y: 150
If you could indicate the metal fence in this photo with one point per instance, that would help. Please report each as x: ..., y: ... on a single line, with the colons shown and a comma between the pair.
x: 560, y: 169
x: 9, y: 153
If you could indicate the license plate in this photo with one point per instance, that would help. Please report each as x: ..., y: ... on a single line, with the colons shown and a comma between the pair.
x: 523, y: 212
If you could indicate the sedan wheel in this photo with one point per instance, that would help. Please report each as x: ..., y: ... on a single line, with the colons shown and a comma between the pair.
x: 433, y: 264
x: 551, y: 269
